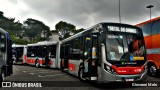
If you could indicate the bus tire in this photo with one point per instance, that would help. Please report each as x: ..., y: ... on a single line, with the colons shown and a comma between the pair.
x: 152, y: 70
x: 80, y: 74
x: 37, y: 64
x: 2, y: 76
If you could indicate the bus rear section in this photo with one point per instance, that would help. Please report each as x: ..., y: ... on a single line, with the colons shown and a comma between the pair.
x: 107, y: 52
x: 151, y: 31
x: 43, y: 54
x: 19, y: 54
x: 6, y: 62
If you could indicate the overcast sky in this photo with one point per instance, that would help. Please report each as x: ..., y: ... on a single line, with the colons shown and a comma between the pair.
x: 81, y: 13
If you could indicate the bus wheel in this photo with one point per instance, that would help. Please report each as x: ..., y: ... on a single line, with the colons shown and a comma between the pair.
x: 37, y: 64
x: 80, y: 74
x: 2, y: 76
x: 152, y: 70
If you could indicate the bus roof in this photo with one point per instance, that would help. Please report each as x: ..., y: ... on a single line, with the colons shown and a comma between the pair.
x: 43, y: 43
x: 91, y: 28
x: 148, y: 21
x: 3, y: 31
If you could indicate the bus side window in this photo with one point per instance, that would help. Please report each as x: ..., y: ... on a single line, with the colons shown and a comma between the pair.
x: 3, y: 43
x: 94, y: 47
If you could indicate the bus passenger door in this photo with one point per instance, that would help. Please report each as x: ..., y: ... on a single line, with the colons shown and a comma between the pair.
x: 90, y: 57
x: 94, y: 57
x: 66, y: 56
x: 86, y: 55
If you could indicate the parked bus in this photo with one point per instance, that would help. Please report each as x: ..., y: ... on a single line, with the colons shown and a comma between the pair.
x: 19, y: 54
x: 5, y: 55
x: 105, y: 52
x: 43, y: 54
x: 151, y: 31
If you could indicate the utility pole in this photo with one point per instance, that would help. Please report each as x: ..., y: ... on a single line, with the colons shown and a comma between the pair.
x: 150, y: 7
x: 119, y: 11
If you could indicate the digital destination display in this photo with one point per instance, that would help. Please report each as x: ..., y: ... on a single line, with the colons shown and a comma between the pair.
x: 122, y: 29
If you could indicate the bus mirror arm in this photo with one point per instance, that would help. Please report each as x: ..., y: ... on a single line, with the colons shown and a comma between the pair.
x: 104, y: 55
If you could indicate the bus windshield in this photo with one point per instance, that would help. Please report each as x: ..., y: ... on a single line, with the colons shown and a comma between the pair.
x: 125, y: 47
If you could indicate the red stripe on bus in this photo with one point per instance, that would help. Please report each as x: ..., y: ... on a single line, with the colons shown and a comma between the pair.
x: 30, y: 61
x: 50, y: 63
x: 127, y: 70
x: 25, y: 57
x: 41, y: 61
x: 33, y: 61
x: 71, y: 66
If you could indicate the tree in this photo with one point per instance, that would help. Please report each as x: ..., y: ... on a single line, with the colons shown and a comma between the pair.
x: 65, y: 29
x: 78, y: 30
x: 36, y: 29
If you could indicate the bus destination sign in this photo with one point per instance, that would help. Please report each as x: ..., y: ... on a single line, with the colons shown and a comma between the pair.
x: 122, y: 29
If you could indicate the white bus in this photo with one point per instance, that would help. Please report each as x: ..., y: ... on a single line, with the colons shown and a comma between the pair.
x: 5, y: 55
x: 105, y: 52
x: 19, y: 54
x: 43, y: 54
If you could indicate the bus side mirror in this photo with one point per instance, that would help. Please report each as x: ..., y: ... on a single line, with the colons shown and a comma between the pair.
x: 83, y: 55
x: 86, y: 55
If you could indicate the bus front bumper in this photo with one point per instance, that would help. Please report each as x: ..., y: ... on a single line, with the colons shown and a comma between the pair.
x: 106, y: 77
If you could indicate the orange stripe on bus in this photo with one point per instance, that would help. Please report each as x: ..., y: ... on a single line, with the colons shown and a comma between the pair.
x: 152, y: 41
x: 153, y: 56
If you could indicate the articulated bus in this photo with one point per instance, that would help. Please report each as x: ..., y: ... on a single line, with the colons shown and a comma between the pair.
x: 19, y: 54
x: 43, y: 54
x: 106, y: 52
x: 5, y: 55
x: 151, y: 31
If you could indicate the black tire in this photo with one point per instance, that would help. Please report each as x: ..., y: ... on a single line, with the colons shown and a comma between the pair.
x: 2, y: 76
x: 152, y: 70
x: 80, y: 74
x: 37, y: 64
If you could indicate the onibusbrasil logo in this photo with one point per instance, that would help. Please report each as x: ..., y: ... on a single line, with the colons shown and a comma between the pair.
x: 21, y: 84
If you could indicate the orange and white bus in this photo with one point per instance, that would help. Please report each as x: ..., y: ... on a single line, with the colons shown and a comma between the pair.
x: 43, y: 54
x: 151, y: 31
x: 19, y: 54
x: 106, y: 52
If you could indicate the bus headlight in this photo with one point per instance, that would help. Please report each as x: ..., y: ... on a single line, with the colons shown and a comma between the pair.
x: 109, y: 69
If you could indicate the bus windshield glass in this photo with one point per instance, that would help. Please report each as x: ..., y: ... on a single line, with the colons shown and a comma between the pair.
x: 125, y: 47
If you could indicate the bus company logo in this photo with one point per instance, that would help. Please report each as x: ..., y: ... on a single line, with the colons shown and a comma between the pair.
x: 20, y: 84
x: 6, y: 84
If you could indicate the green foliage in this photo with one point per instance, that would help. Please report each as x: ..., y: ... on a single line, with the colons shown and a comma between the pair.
x: 31, y: 29
x: 65, y: 29
x: 19, y: 41
x: 35, y: 28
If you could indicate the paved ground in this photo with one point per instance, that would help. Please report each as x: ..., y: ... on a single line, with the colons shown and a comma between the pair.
x: 55, y: 79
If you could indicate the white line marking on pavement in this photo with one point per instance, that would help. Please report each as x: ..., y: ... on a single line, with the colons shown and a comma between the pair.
x: 32, y: 73
x: 24, y: 71
x: 16, y: 69
x: 51, y: 75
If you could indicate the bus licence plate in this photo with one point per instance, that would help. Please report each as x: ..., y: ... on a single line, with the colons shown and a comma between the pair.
x: 129, y: 79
